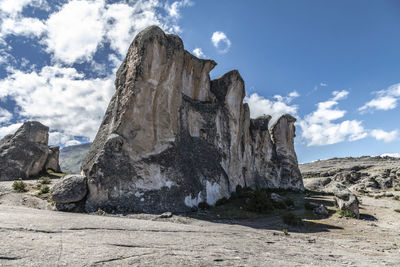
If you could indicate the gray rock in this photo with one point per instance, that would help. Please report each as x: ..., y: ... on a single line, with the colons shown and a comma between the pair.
x: 277, y: 198
x: 172, y: 139
x: 321, y: 210
x: 70, y: 189
x: 52, y: 159
x: 166, y: 215
x: 317, y: 184
x: 25, y: 153
x: 345, y: 199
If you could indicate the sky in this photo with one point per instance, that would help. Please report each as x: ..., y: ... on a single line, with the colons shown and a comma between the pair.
x: 334, y: 65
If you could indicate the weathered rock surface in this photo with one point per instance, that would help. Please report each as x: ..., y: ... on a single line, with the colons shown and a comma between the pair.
x: 26, y: 152
x: 363, y: 174
x: 71, y: 188
x: 345, y: 199
x: 52, y: 159
x: 171, y: 138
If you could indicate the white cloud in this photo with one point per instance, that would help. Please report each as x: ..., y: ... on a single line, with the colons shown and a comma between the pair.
x: 198, y: 53
x: 174, y: 9
x: 72, y: 143
x: 323, y: 84
x: 60, y: 98
x: 319, y: 127
x: 22, y: 26
x: 5, y: 115
x: 380, y: 103
x: 385, y: 100
x: 75, y: 31
x: 260, y: 106
x: 9, y: 129
x: 384, y: 136
x: 221, y: 41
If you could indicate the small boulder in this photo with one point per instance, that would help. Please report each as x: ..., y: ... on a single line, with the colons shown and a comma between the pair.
x: 277, y: 198
x: 345, y: 199
x: 321, y: 210
x: 70, y: 189
x: 316, y: 184
x: 166, y: 215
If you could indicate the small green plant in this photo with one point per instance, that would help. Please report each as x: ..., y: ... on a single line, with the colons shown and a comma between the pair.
x: 346, y: 213
x: 397, y: 210
x: 221, y: 201
x: 44, y: 189
x: 19, y: 186
x: 285, y: 231
x: 44, y: 180
x: 292, y: 219
x: 259, y: 202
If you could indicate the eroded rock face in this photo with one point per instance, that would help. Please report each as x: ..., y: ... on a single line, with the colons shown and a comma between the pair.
x: 52, y: 159
x: 171, y: 138
x: 26, y: 153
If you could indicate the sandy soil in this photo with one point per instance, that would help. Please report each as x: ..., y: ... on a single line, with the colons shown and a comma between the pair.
x: 33, y: 234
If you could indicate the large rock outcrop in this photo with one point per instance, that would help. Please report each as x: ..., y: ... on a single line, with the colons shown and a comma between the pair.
x: 171, y: 138
x: 26, y: 153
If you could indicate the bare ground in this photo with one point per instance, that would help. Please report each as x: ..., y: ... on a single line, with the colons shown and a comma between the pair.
x: 33, y: 234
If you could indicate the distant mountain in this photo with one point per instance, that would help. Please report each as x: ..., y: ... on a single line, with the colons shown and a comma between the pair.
x: 71, y: 157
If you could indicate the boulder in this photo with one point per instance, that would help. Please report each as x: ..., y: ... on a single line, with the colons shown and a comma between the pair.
x: 321, y: 210
x: 317, y: 184
x: 277, y: 198
x: 345, y: 199
x: 171, y: 138
x: 25, y: 153
x: 70, y: 189
x: 52, y: 159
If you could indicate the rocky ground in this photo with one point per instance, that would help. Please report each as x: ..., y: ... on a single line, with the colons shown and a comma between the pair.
x: 31, y: 233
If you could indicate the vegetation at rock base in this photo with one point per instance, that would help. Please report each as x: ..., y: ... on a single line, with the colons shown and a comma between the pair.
x: 19, y: 186
x: 346, y: 213
x: 44, y: 189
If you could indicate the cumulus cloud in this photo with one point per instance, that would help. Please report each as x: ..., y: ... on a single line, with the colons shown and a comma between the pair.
x: 5, y: 115
x: 280, y: 105
x: 384, y: 136
x: 320, y: 127
x: 60, y: 98
x: 198, y: 52
x: 9, y: 129
x: 75, y: 31
x: 384, y: 100
x: 220, y: 41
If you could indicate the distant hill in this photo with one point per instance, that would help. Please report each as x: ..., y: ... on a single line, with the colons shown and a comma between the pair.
x: 71, y: 157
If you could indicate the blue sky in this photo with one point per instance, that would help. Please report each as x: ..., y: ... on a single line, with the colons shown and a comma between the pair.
x: 334, y: 65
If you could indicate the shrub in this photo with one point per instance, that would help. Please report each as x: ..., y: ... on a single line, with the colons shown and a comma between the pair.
x: 346, y: 213
x: 44, y: 180
x: 292, y: 219
x: 19, y: 186
x: 259, y: 202
x: 44, y: 189
x: 285, y: 231
x: 221, y: 201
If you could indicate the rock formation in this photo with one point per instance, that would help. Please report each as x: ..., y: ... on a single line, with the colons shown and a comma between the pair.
x: 171, y: 138
x: 26, y: 153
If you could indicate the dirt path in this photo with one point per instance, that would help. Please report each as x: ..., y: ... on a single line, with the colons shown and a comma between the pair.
x: 40, y: 237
